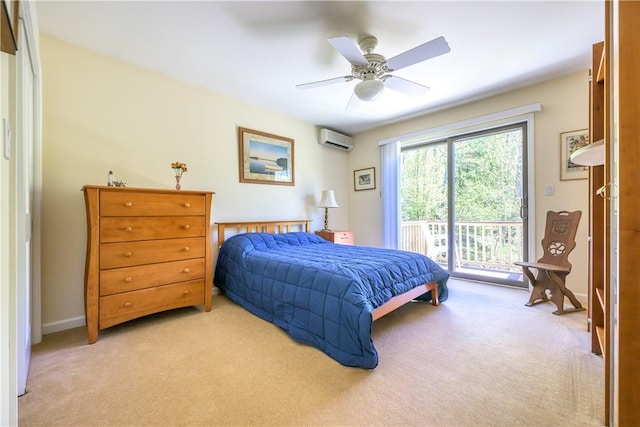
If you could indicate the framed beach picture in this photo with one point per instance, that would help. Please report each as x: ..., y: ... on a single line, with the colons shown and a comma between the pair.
x: 364, y: 179
x: 265, y: 158
x: 570, y: 142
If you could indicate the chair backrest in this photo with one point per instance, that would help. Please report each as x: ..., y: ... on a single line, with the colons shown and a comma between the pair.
x: 560, y: 237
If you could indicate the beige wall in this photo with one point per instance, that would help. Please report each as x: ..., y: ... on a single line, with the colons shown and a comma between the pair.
x: 564, y: 108
x: 101, y: 114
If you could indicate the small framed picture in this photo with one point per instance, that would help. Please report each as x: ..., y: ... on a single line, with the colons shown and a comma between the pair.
x: 265, y: 158
x: 364, y: 179
x: 570, y: 142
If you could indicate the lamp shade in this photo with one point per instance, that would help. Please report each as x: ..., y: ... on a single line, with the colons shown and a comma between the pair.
x: 369, y: 90
x: 328, y: 200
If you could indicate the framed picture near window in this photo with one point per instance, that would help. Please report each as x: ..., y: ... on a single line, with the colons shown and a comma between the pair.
x: 570, y: 142
x: 265, y: 158
x: 364, y: 179
x: 9, y: 35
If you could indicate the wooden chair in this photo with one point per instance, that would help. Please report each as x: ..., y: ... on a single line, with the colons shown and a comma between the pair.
x: 554, y: 266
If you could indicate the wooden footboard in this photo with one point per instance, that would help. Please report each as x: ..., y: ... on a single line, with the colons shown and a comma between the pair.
x: 402, y: 299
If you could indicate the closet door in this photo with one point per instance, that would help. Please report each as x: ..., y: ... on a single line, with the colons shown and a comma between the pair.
x: 24, y: 185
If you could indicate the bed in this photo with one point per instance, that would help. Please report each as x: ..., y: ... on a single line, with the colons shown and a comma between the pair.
x: 323, y: 294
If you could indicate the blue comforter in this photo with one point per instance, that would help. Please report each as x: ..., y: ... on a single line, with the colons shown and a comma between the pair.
x: 321, y: 293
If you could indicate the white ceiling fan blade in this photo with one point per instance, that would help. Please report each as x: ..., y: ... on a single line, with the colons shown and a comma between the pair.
x: 405, y: 86
x: 348, y: 49
x: 354, y: 103
x: 325, y: 82
x: 428, y: 50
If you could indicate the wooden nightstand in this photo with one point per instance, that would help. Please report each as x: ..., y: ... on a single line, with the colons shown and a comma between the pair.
x: 340, y: 237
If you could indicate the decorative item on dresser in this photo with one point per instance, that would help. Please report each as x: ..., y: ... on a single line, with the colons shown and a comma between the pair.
x: 341, y: 237
x: 178, y: 168
x: 148, y: 250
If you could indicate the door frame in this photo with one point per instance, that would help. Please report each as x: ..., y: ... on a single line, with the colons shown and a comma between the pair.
x: 524, y: 202
x: 524, y: 113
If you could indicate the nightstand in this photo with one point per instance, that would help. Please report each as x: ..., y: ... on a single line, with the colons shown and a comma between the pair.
x: 339, y: 237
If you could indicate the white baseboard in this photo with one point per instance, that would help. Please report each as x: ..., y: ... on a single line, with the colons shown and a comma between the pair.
x: 76, y: 322
x: 63, y: 325
x: 584, y: 300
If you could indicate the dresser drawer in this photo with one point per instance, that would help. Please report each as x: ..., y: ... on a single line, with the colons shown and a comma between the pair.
x: 122, y: 229
x: 114, y: 255
x: 340, y: 237
x: 126, y: 279
x: 125, y: 306
x: 343, y: 237
x: 117, y: 203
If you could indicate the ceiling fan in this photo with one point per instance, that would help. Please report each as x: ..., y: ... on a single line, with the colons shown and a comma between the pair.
x: 373, y: 69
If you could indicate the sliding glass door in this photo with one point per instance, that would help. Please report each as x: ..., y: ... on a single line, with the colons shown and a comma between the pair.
x: 463, y: 203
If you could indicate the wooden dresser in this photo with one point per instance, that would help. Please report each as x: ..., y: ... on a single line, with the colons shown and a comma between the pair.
x: 148, y: 250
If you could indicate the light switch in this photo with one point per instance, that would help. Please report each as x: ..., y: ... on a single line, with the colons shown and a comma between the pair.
x: 548, y: 190
x: 6, y: 138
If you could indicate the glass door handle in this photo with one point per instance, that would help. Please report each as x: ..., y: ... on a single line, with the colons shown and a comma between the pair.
x: 523, y: 209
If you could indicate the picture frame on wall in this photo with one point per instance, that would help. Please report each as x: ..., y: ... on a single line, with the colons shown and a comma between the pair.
x: 265, y: 158
x: 570, y: 142
x: 364, y: 179
x: 9, y: 34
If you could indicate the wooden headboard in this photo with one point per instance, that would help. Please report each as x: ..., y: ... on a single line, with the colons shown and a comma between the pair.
x: 273, y: 227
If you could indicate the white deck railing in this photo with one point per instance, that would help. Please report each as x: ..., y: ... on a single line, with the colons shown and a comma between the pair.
x: 488, y: 245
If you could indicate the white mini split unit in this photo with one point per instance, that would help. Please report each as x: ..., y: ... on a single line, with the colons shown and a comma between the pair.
x: 335, y: 140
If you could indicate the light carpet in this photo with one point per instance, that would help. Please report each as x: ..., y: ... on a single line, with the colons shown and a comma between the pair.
x: 479, y: 359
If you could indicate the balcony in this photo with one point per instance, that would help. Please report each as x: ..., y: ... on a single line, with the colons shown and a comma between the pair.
x: 482, y: 248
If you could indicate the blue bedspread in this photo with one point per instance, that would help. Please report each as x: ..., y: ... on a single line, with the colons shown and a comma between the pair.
x: 321, y: 293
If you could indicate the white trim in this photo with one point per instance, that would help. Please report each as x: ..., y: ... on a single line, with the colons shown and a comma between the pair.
x: 30, y: 21
x: 63, y: 325
x: 470, y: 125
x: 531, y: 180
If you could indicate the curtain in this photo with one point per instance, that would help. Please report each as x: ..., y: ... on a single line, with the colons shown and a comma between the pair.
x: 390, y: 182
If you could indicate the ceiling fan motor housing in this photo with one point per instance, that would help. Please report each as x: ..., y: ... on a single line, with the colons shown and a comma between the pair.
x: 376, y: 67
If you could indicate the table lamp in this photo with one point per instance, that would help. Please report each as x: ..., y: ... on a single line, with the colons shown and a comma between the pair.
x: 328, y: 201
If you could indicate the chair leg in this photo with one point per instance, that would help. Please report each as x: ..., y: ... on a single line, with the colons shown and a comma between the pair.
x: 558, y: 297
x: 538, y: 293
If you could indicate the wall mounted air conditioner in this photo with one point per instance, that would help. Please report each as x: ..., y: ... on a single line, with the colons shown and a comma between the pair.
x: 335, y: 140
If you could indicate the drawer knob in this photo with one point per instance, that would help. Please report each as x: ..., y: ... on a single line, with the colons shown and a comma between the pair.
x: 187, y: 205
x: 187, y: 227
x: 128, y: 254
x: 128, y: 304
x: 187, y: 248
x: 186, y: 270
x: 128, y: 229
x: 128, y: 279
x: 185, y: 292
x: 128, y: 204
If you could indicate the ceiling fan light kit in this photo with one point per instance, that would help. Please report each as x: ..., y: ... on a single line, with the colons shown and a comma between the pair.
x: 369, y: 90
x: 373, y: 69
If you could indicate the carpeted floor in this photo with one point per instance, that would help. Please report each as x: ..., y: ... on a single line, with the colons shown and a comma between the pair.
x: 480, y: 359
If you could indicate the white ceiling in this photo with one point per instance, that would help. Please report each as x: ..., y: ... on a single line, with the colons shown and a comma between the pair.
x: 258, y: 51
